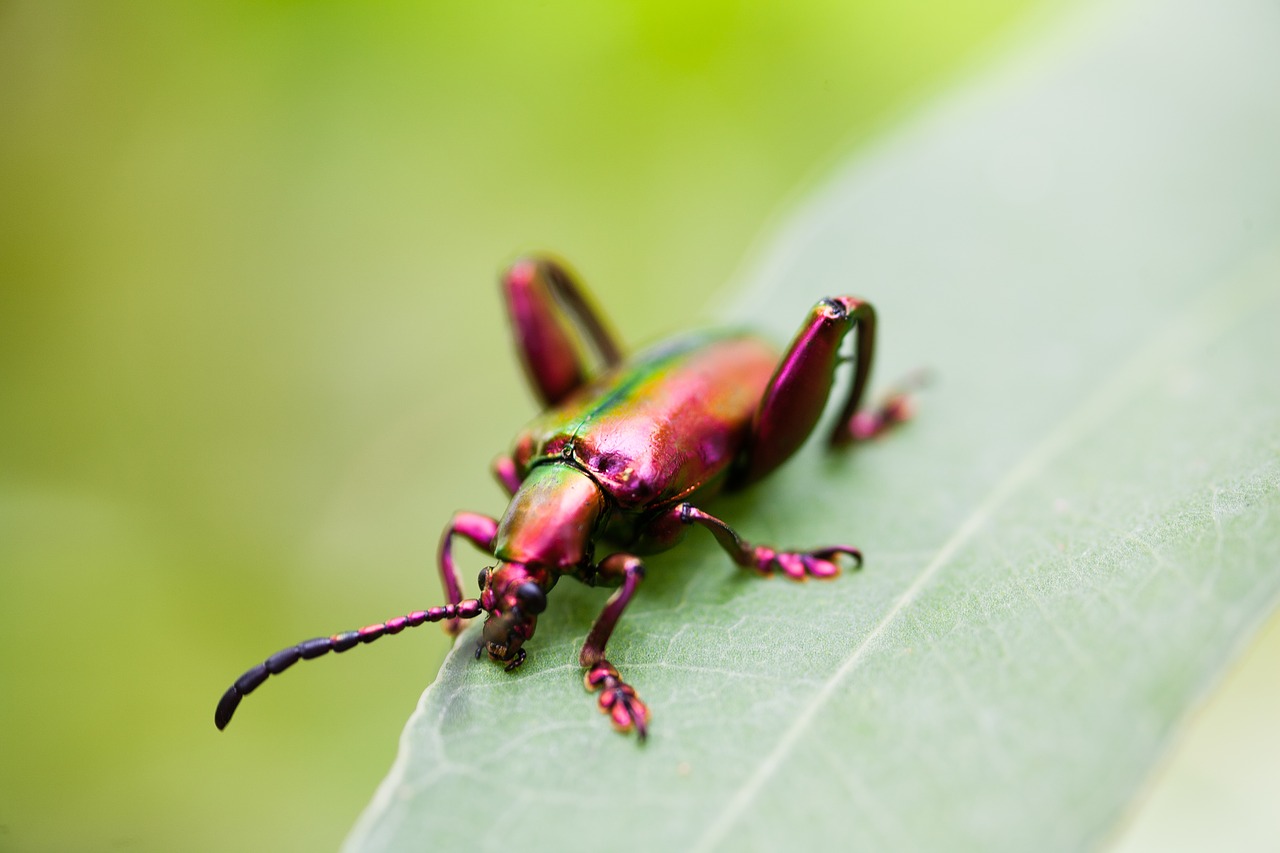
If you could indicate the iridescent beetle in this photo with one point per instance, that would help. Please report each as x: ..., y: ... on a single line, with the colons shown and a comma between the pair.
x: 627, y: 458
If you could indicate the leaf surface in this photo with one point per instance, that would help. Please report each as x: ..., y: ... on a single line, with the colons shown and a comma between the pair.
x: 1063, y: 551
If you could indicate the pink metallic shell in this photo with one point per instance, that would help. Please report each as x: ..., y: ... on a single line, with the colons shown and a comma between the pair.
x: 670, y: 422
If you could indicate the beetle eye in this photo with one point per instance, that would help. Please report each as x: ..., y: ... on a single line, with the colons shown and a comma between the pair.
x: 531, y: 597
x: 483, y: 579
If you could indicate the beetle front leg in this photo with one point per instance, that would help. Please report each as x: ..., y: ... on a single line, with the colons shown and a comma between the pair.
x: 480, y: 531
x: 797, y: 565
x: 798, y: 391
x: 617, y: 698
x: 507, y: 474
x: 541, y: 296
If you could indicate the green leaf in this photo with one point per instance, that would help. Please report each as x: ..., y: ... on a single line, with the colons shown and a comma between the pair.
x: 1063, y: 551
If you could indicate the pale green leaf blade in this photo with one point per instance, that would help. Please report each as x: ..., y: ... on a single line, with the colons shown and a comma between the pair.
x: 1064, y: 549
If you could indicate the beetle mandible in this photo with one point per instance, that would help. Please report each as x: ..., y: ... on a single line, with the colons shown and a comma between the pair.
x: 628, y: 457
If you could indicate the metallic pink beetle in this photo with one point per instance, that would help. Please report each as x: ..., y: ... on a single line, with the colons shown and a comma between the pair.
x: 627, y: 458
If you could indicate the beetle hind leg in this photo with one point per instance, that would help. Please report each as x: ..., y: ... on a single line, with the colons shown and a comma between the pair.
x: 796, y: 395
x: 542, y: 299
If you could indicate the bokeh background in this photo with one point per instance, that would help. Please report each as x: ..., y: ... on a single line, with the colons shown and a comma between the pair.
x: 252, y: 354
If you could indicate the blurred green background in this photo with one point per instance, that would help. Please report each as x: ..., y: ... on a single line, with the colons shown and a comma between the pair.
x: 253, y: 357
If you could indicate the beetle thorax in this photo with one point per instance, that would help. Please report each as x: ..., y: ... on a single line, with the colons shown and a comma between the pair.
x: 551, y: 519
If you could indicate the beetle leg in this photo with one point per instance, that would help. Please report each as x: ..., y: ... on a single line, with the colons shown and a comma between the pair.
x: 477, y: 529
x: 797, y: 565
x: 798, y: 391
x: 897, y: 406
x: 617, y: 698
x: 541, y: 296
x: 504, y: 469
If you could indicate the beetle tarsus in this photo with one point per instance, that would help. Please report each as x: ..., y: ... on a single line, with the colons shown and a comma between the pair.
x: 618, y: 699
x: 802, y: 565
x: 796, y: 566
x: 897, y: 407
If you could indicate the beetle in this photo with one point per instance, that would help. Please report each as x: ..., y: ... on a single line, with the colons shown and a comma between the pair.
x: 628, y: 458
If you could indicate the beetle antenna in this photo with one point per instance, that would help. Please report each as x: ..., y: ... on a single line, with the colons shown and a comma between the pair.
x: 308, y: 649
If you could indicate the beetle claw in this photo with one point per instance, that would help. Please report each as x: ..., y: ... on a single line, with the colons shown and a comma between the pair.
x: 516, y: 660
x: 820, y: 568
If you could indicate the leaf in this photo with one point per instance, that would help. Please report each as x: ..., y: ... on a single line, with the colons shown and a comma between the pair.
x: 1063, y: 551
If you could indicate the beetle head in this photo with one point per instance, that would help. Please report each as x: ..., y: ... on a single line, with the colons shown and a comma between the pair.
x: 513, y: 594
